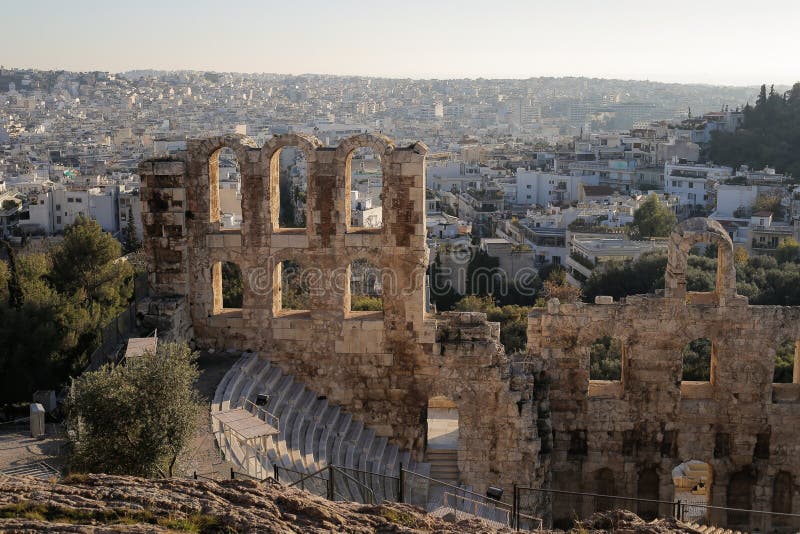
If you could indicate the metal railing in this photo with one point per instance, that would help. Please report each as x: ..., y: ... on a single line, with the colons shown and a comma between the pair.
x: 428, y: 492
x: 463, y: 508
x: 567, y: 508
x: 260, y: 412
x: 739, y: 518
x: 330, y: 482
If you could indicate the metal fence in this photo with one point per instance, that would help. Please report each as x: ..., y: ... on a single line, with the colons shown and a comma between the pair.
x: 566, y: 508
x: 739, y: 519
x: 443, y: 498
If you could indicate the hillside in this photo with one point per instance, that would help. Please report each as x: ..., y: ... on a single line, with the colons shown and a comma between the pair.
x: 105, y: 503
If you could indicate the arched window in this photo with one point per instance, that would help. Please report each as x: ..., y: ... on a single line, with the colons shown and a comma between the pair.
x: 292, y: 287
x: 692, y: 480
x: 366, y: 187
x: 785, y: 362
x: 225, y: 197
x: 292, y: 187
x: 697, y: 357
x: 605, y: 359
x: 366, y: 286
x: 232, y: 287
x: 227, y: 286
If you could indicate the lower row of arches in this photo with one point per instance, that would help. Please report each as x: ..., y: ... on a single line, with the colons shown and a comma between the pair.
x: 692, y: 486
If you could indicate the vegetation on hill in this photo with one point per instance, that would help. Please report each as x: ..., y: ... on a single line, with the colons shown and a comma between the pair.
x: 653, y: 219
x: 513, y: 319
x: 134, y: 418
x: 769, y: 136
x: 765, y: 280
x: 53, y: 307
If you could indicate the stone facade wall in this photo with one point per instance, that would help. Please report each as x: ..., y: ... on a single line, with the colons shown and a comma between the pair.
x: 738, y: 422
x: 382, y: 366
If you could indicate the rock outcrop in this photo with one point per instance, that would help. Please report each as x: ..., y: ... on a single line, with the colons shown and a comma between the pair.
x: 105, y: 503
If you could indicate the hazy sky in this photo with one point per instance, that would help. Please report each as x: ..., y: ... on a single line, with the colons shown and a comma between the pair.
x: 709, y: 41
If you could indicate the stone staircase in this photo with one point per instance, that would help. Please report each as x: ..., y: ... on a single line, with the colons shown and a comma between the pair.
x: 313, y: 433
x: 444, y: 464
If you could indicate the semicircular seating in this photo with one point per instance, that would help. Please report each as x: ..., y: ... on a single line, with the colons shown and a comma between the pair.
x: 313, y: 433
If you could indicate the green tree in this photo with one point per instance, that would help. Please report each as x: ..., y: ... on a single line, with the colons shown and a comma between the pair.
x: 605, y: 359
x: 653, y: 219
x: 29, y: 360
x: 740, y: 255
x: 136, y: 418
x: 232, y: 288
x: 482, y: 273
x: 9, y: 277
x: 770, y: 135
x: 771, y: 203
x: 787, y: 251
x: 130, y: 236
x: 513, y: 320
x: 443, y: 295
x: 697, y: 360
x: 85, y: 264
x: 784, y: 363
x: 366, y: 303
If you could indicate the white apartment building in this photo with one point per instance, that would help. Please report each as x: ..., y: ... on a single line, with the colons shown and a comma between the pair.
x: 453, y: 175
x: 541, y: 188
x: 732, y: 197
x: 589, y: 252
x: 50, y: 211
x: 693, y: 184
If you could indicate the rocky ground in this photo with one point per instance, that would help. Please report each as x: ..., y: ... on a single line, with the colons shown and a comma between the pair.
x: 104, y: 503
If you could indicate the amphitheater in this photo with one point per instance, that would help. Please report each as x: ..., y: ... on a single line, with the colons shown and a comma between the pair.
x: 356, y: 389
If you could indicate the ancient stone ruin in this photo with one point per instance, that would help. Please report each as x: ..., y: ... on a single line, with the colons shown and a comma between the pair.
x: 381, y: 366
x: 624, y: 437
x: 539, y: 421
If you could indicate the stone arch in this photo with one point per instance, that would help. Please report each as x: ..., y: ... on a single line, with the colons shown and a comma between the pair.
x: 782, y: 493
x: 648, y: 488
x: 209, y: 149
x: 681, y: 241
x: 381, y: 145
x: 274, y: 279
x: 270, y: 157
x: 740, y: 495
x: 606, y: 358
x: 692, y: 483
x: 605, y: 484
x: 698, y: 360
x: 226, y: 274
x: 365, y: 279
x: 443, y: 411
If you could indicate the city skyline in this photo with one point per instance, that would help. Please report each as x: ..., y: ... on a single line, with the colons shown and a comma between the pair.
x: 689, y: 44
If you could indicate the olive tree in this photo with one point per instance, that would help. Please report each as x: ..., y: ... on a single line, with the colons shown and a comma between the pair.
x: 137, y: 417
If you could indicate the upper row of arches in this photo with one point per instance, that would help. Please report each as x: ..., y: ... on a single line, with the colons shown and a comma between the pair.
x: 288, y: 158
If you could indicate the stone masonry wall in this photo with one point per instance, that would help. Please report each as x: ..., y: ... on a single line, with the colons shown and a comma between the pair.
x: 739, y: 422
x: 382, y: 366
